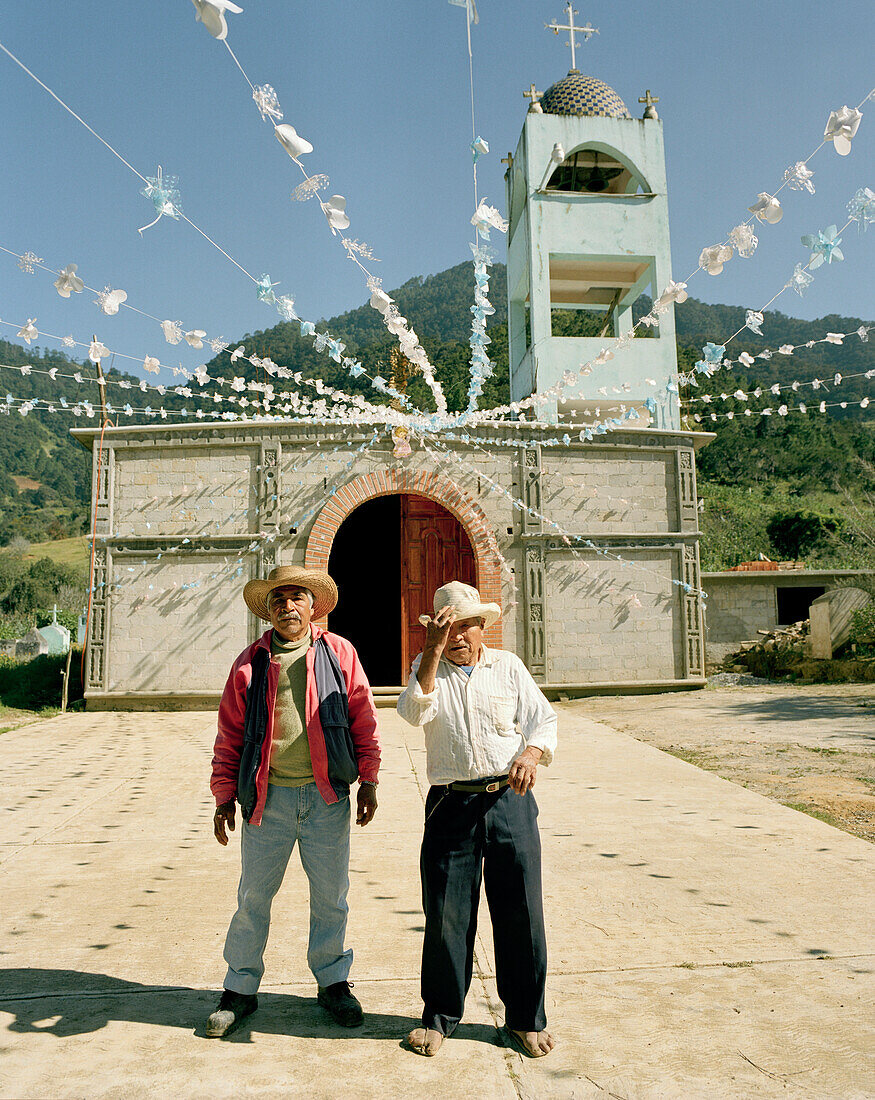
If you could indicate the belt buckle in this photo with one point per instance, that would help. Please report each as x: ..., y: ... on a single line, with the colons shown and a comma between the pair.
x: 490, y: 787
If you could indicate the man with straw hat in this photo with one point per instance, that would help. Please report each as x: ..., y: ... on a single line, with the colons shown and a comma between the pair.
x: 487, y: 727
x: 297, y: 726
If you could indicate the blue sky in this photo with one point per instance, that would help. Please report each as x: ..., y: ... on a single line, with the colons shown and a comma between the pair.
x: 381, y: 90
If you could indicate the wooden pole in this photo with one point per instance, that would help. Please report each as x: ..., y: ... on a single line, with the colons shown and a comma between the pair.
x: 101, y: 382
x: 66, y: 676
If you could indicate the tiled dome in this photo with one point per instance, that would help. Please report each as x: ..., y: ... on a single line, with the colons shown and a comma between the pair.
x: 582, y: 95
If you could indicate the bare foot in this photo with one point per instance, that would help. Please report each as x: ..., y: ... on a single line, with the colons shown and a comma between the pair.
x: 425, y: 1041
x: 534, y: 1043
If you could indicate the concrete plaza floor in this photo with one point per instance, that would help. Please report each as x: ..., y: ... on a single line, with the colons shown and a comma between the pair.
x: 704, y: 941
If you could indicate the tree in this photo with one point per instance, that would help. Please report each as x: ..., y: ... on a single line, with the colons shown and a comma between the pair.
x: 795, y: 534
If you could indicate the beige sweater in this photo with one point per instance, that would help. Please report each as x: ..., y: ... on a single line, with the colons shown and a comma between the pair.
x: 290, y: 764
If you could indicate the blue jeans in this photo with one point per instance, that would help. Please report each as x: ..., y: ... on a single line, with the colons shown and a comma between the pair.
x: 292, y: 814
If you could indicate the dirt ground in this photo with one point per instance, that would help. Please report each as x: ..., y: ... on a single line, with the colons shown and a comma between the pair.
x: 812, y: 748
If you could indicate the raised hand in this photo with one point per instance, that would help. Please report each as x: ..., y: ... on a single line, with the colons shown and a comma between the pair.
x: 438, y: 630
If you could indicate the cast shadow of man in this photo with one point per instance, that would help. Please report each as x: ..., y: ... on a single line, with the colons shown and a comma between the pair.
x: 78, y: 1003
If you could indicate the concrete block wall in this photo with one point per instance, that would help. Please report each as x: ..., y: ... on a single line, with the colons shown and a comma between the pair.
x: 735, y: 611
x: 595, y: 634
x: 602, y: 490
x: 180, y: 640
x: 188, y: 491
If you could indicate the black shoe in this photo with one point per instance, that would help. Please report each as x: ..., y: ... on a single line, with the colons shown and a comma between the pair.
x: 232, y: 1010
x: 342, y: 1005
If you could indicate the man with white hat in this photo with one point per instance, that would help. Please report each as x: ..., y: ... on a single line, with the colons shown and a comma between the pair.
x: 487, y: 727
x: 297, y: 726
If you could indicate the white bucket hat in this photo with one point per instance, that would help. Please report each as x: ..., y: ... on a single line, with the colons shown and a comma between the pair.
x: 465, y: 601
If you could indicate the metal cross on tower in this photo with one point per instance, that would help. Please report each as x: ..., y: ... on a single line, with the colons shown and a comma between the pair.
x: 586, y: 31
x: 650, y: 101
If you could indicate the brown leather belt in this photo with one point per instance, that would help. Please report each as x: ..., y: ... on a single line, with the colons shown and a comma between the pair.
x: 481, y: 786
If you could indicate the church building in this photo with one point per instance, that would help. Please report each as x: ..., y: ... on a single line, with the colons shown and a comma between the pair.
x: 588, y: 542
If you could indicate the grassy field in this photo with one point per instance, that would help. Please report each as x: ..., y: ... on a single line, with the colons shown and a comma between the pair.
x: 72, y: 552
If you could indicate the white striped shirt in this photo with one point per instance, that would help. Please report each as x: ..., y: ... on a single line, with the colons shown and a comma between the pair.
x: 477, y: 725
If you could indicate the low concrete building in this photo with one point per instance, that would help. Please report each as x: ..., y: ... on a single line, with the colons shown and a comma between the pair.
x: 763, y: 596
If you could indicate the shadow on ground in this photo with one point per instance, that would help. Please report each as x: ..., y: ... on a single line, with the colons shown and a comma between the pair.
x: 73, y: 1002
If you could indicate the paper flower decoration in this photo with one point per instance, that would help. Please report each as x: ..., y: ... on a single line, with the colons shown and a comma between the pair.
x: 841, y: 127
x: 824, y: 247
x: 713, y: 258
x: 861, y: 208
x: 487, y: 217
x: 309, y: 187
x: 767, y: 208
x: 27, y: 261
x: 285, y: 307
x: 835, y: 338
x: 267, y: 103
x: 109, y: 300
x: 237, y: 353
x: 753, y: 320
x: 381, y: 302
x: 479, y: 147
x: 29, y: 332
x: 674, y: 292
x: 471, y: 7
x: 335, y: 211
x: 800, y: 280
x: 291, y: 141
x: 798, y: 177
x: 712, y: 358
x: 97, y: 351
x: 744, y: 240
x: 358, y: 247
x: 163, y: 192
x: 218, y: 346
x: 863, y: 333
x: 68, y: 282
x: 746, y: 359
x: 151, y: 364
x: 786, y: 349
x: 195, y: 338
x: 264, y: 290
x: 172, y: 331
x: 212, y: 14
x: 68, y: 342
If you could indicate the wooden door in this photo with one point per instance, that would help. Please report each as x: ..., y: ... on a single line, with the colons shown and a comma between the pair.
x: 434, y: 550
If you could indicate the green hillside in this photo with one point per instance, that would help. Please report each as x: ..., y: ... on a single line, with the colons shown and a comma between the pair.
x: 755, y: 468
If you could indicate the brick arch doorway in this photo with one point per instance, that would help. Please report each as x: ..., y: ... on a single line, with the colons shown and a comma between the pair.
x: 388, y: 556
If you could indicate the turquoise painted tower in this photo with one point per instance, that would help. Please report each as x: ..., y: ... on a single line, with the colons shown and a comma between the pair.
x: 588, y: 236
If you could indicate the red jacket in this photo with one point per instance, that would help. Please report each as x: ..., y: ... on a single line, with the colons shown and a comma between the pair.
x: 232, y: 709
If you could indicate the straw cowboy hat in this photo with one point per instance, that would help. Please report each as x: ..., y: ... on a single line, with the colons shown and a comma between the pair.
x: 465, y: 601
x: 257, y: 592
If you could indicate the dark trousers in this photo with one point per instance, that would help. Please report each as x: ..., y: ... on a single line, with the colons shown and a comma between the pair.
x: 494, y: 837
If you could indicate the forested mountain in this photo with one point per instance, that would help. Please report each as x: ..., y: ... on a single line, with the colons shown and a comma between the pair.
x: 45, y: 477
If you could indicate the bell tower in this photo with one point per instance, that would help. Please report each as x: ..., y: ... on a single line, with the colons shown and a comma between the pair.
x: 588, y: 237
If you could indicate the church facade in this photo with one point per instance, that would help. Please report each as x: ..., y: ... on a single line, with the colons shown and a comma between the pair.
x: 590, y: 546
